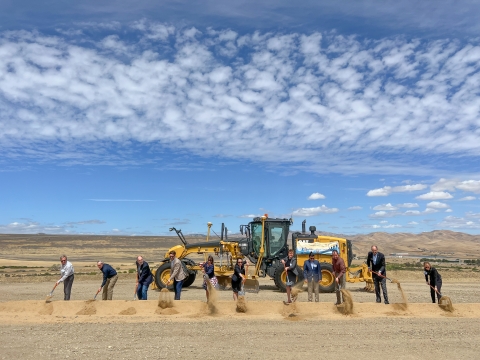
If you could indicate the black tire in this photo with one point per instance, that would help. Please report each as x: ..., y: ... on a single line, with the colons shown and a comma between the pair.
x: 192, y: 273
x: 189, y: 280
x: 327, y: 285
x: 162, y: 275
x: 280, y: 277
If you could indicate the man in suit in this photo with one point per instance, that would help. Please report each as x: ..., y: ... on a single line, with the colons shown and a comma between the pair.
x: 376, y: 264
x: 313, y: 275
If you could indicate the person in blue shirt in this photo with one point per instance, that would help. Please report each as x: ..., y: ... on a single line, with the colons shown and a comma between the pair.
x: 313, y: 275
x: 110, y: 278
x: 209, y: 275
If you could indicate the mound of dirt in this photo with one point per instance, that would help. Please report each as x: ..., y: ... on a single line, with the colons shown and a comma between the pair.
x: 347, y: 306
x: 88, y: 308
x: 241, y: 304
x: 446, y: 304
x: 165, y: 299
x: 168, y: 311
x: 129, y: 311
x: 47, y: 309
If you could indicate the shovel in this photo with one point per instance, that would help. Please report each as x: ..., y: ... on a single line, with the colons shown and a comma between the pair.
x: 95, y: 297
x: 251, y: 285
x: 445, y: 302
x: 49, y: 296
x: 392, y: 281
x: 135, y: 293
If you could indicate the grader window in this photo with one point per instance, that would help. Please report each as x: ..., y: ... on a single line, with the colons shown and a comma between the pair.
x: 276, y: 239
x: 256, y: 237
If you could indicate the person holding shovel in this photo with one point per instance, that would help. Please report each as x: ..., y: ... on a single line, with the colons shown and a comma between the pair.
x: 238, y: 277
x: 376, y: 265
x: 290, y: 264
x: 209, y: 275
x: 313, y: 275
x: 177, y: 274
x: 144, y: 278
x: 435, y: 281
x: 66, y: 270
x: 110, y: 278
x: 339, y: 272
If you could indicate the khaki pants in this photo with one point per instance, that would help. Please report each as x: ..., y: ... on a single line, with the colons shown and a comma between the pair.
x: 312, y: 286
x: 108, y: 288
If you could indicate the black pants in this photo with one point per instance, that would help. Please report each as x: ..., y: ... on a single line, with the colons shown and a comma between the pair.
x: 439, y: 289
x: 379, y: 281
x: 67, y: 287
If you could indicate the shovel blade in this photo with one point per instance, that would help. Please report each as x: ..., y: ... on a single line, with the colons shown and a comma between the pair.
x: 251, y: 286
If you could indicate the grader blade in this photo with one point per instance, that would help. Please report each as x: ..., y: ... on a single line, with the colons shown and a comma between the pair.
x: 251, y: 286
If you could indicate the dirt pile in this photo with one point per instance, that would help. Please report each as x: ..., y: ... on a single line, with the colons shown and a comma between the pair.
x: 88, y: 308
x: 241, y: 304
x: 47, y: 309
x: 446, y: 304
x: 346, y: 307
x: 129, y: 311
x: 165, y: 299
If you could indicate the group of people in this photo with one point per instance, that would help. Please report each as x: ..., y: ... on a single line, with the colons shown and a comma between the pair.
x: 312, y: 274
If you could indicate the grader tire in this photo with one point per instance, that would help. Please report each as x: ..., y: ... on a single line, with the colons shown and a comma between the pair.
x: 189, y: 280
x: 327, y: 285
x: 280, y: 278
x: 162, y: 275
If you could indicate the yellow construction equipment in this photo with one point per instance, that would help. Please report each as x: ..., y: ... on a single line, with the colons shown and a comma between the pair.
x: 265, y: 244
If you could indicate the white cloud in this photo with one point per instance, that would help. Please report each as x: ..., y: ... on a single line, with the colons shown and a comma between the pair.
x: 384, y: 222
x: 316, y: 196
x: 444, y: 185
x: 412, y: 223
x: 351, y: 208
x: 435, y: 195
x: 407, y: 205
x: 470, y: 185
x: 314, y: 211
x: 452, y: 184
x: 178, y: 89
x: 386, y: 207
x: 459, y: 223
x: 387, y: 190
x: 437, y: 205
x: 448, y: 210
x: 467, y: 198
x: 249, y: 216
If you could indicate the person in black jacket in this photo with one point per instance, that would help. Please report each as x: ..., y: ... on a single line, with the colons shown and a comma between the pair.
x: 109, y: 280
x: 435, y: 280
x: 144, y: 278
x: 290, y: 264
x: 238, y: 277
x: 376, y: 264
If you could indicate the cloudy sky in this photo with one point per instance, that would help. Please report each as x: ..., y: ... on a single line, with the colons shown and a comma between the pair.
x: 130, y: 117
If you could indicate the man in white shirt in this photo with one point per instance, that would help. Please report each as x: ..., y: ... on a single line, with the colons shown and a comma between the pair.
x: 66, y: 270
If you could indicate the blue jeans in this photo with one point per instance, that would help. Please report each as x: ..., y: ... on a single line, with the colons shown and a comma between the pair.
x: 142, y: 292
x: 177, y: 287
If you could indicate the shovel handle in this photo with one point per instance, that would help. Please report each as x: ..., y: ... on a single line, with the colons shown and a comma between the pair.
x: 376, y: 273
x: 435, y: 290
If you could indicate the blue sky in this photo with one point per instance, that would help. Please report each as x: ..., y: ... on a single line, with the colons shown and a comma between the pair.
x: 130, y: 117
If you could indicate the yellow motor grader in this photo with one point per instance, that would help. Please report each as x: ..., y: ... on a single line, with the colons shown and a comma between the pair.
x: 265, y: 244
